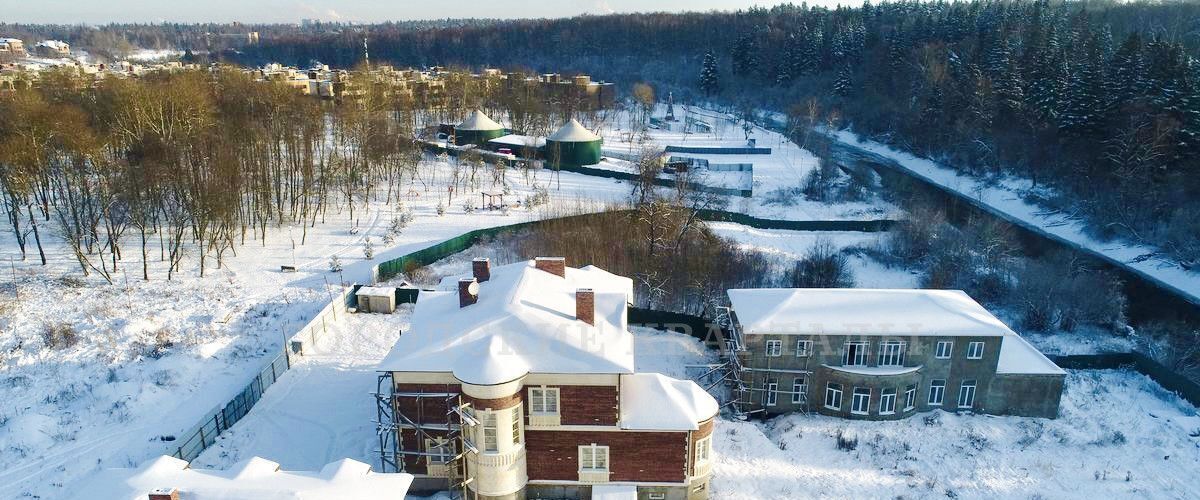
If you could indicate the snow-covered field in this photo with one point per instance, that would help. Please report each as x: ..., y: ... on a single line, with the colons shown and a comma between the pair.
x: 137, y: 361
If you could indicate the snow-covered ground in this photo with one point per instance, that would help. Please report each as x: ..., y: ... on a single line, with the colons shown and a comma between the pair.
x: 107, y: 399
x: 786, y: 247
x: 1120, y: 434
x: 1005, y: 199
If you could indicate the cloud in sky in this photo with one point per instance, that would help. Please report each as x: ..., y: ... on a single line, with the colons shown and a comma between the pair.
x: 290, y: 11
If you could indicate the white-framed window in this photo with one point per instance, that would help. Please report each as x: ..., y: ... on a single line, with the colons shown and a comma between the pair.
x: 833, y: 396
x: 910, y: 397
x: 543, y: 401
x: 656, y: 496
x: 593, y: 458
x: 774, y: 348
x: 855, y: 353
x: 937, y: 391
x: 440, y: 450
x: 975, y: 350
x: 490, y: 438
x: 944, y: 349
x: 887, y: 402
x: 891, y: 353
x: 803, y: 348
x: 860, y: 402
x: 799, y: 390
x: 770, y: 393
x: 703, y: 451
x: 966, y: 394
x: 516, y: 424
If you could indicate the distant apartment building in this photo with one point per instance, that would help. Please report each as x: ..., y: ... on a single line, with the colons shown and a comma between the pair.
x: 519, y: 382
x: 884, y: 354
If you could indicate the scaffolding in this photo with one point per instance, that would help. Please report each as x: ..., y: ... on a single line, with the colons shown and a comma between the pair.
x: 734, y: 375
x: 453, y: 428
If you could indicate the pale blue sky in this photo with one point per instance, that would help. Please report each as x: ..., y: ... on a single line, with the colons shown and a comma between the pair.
x: 291, y: 11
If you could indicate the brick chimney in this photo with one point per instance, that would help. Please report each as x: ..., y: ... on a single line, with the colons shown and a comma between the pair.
x: 468, y: 292
x: 164, y: 494
x: 481, y: 267
x: 552, y: 265
x: 585, y: 305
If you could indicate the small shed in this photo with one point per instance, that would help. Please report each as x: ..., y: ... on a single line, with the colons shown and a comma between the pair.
x: 573, y: 146
x: 477, y: 129
x: 374, y: 299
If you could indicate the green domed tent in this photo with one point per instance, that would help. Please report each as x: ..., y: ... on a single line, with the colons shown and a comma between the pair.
x: 573, y: 146
x: 477, y: 129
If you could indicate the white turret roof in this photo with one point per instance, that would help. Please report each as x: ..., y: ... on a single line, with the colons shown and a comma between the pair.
x: 573, y: 131
x: 478, y: 121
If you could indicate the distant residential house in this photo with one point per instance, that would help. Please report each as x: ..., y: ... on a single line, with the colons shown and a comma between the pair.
x: 52, y: 48
x: 12, y: 46
x: 169, y: 478
x: 519, y: 382
x: 884, y: 354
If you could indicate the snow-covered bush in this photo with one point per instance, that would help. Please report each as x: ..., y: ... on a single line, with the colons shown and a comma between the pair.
x: 388, y: 239
x: 59, y: 335
x: 468, y: 207
x: 335, y: 264
x: 440, y: 209
x: 368, y: 249
x: 846, y: 442
x: 824, y: 266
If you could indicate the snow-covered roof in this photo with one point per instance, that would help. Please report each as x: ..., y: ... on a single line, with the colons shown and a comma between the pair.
x: 376, y: 291
x: 53, y: 44
x: 859, y: 311
x: 252, y: 479
x: 523, y: 322
x: 478, y: 121
x: 1019, y: 357
x: 614, y: 492
x: 520, y: 141
x: 573, y: 131
x: 10, y: 40
x: 656, y: 402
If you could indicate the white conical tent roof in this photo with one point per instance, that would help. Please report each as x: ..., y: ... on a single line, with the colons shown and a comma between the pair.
x: 573, y: 131
x: 478, y: 121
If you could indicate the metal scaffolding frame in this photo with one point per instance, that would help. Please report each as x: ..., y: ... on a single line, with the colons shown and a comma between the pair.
x: 453, y: 427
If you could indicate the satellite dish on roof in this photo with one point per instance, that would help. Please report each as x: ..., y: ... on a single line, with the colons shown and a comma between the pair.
x: 473, y: 288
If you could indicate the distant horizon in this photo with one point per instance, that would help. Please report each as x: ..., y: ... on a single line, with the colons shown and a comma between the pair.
x: 70, y: 12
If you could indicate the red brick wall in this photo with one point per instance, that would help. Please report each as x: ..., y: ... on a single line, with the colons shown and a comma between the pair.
x: 633, y: 456
x: 432, y: 410
x: 588, y: 404
x: 495, y: 404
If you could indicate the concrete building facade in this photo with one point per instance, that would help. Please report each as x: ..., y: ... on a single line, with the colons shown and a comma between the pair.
x: 884, y: 354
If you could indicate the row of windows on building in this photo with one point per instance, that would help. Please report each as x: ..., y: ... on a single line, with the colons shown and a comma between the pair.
x: 592, y: 457
x: 542, y: 401
x: 891, y: 352
x: 860, y: 397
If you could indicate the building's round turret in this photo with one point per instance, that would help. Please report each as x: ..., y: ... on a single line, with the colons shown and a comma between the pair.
x: 572, y: 146
x: 477, y: 129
